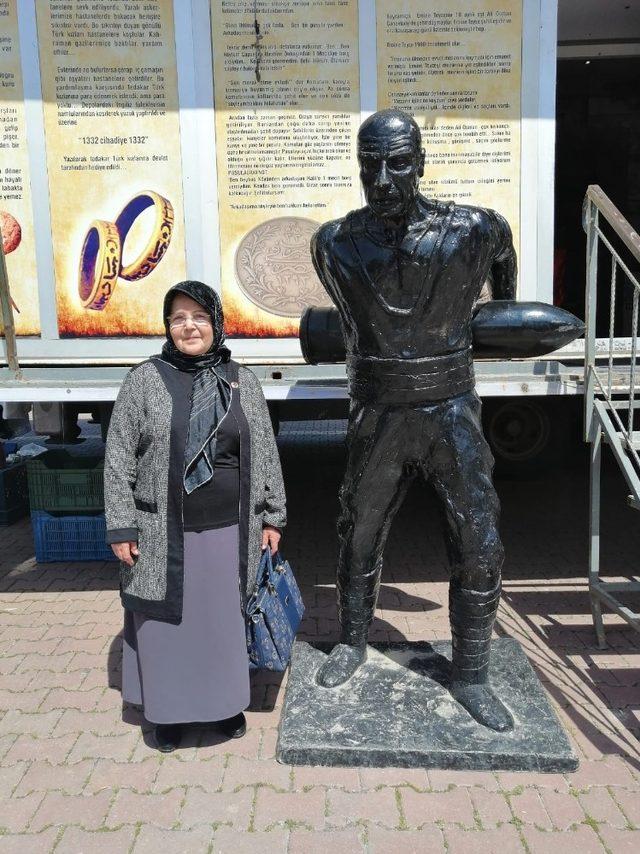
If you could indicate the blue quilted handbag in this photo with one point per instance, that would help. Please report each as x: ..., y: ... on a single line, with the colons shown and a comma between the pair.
x: 273, y: 613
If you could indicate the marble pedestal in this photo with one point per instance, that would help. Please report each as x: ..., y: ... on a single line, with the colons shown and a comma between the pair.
x: 395, y: 711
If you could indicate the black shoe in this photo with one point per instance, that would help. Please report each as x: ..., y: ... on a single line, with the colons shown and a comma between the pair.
x: 234, y: 727
x: 168, y: 737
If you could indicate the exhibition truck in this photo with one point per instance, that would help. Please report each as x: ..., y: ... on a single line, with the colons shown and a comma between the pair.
x: 143, y: 143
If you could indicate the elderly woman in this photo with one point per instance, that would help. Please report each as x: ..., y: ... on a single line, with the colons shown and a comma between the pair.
x: 193, y: 491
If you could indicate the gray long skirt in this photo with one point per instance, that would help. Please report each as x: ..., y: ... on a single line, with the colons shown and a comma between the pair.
x: 197, y: 670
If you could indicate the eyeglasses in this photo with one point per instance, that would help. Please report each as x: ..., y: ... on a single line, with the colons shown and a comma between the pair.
x: 200, y: 319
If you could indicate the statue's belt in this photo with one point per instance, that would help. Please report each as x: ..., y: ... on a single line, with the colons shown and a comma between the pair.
x: 410, y: 381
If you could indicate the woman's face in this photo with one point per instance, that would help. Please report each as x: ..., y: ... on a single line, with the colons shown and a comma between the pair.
x: 190, y: 326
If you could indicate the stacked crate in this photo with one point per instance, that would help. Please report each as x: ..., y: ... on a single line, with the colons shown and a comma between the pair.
x: 14, y: 495
x: 67, y: 507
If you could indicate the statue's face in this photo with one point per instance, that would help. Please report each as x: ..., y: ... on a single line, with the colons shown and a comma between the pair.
x: 391, y: 165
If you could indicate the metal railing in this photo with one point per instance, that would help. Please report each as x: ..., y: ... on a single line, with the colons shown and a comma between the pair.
x: 611, y: 395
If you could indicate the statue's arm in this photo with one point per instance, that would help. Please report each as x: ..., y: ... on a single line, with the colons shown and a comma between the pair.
x: 320, y: 255
x: 504, y: 269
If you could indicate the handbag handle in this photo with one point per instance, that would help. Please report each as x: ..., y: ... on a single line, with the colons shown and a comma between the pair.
x: 265, y: 568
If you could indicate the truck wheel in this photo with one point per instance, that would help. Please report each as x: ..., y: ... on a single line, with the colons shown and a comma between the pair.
x: 274, y: 414
x: 520, y: 435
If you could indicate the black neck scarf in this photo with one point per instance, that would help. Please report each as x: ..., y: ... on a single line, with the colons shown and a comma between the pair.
x: 211, y: 392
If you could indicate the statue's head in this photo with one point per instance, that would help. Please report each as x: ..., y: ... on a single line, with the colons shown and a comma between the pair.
x: 391, y: 162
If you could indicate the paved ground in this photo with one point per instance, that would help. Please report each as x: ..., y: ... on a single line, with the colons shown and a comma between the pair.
x: 78, y: 774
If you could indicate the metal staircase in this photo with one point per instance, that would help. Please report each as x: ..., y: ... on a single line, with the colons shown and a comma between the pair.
x: 612, y: 386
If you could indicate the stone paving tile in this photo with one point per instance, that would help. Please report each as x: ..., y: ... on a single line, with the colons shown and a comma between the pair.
x: 620, y: 841
x: 91, y: 646
x: 24, y: 701
x: 249, y: 772
x: 214, y: 808
x: 564, y: 809
x: 227, y: 841
x: 372, y: 778
x: 510, y: 780
x: 611, y: 771
x: 16, y: 813
x: 110, y: 700
x: 152, y: 839
x: 529, y: 809
x: 505, y: 840
x: 11, y: 664
x: 100, y: 723
x: 85, y: 661
x: 129, y: 807
x: 42, y: 776
x: 308, y: 776
x: 380, y: 806
x: 23, y: 632
x: 90, y: 746
x: 323, y: 842
x: 54, y: 679
x: 36, y: 723
x: 212, y: 743
x: 62, y: 698
x: 207, y: 774
x: 94, y: 678
x: 27, y: 647
x: 421, y: 808
x: 491, y: 808
x: 109, y: 774
x: 582, y: 840
x: 277, y: 808
x: 16, y: 683
x: 11, y: 777
x: 599, y: 805
x: 429, y: 840
x: 74, y: 840
x: 441, y: 780
x: 39, y: 661
x: 6, y: 743
x: 60, y: 632
x: 629, y: 802
x: 88, y: 811
x: 268, y: 743
x: 29, y: 843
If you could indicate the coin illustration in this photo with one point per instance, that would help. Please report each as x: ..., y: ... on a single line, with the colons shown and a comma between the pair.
x: 11, y: 232
x: 274, y: 268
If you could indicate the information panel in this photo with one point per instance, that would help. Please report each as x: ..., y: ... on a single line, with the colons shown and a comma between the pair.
x: 286, y: 81
x: 456, y: 66
x: 16, y: 218
x: 109, y: 89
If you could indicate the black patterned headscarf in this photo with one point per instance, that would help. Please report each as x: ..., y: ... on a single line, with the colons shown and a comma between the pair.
x: 211, y: 392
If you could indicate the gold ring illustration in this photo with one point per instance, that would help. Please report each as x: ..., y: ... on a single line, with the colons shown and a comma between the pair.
x: 159, y: 240
x: 99, y: 264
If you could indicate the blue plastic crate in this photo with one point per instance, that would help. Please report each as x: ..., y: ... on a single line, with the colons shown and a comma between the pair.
x: 60, y: 537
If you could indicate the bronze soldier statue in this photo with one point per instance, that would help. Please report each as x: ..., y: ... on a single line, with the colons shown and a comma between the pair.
x: 405, y: 273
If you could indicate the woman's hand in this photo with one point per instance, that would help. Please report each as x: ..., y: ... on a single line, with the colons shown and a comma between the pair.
x: 126, y: 552
x: 270, y: 537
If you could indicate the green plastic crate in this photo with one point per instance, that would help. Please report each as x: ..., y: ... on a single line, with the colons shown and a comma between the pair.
x: 60, y: 482
x: 14, y: 496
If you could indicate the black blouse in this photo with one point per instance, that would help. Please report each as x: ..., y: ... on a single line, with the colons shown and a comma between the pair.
x: 216, y: 503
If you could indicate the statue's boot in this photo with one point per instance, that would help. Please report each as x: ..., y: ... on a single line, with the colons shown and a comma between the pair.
x: 472, y: 615
x: 356, y: 607
x: 341, y: 664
